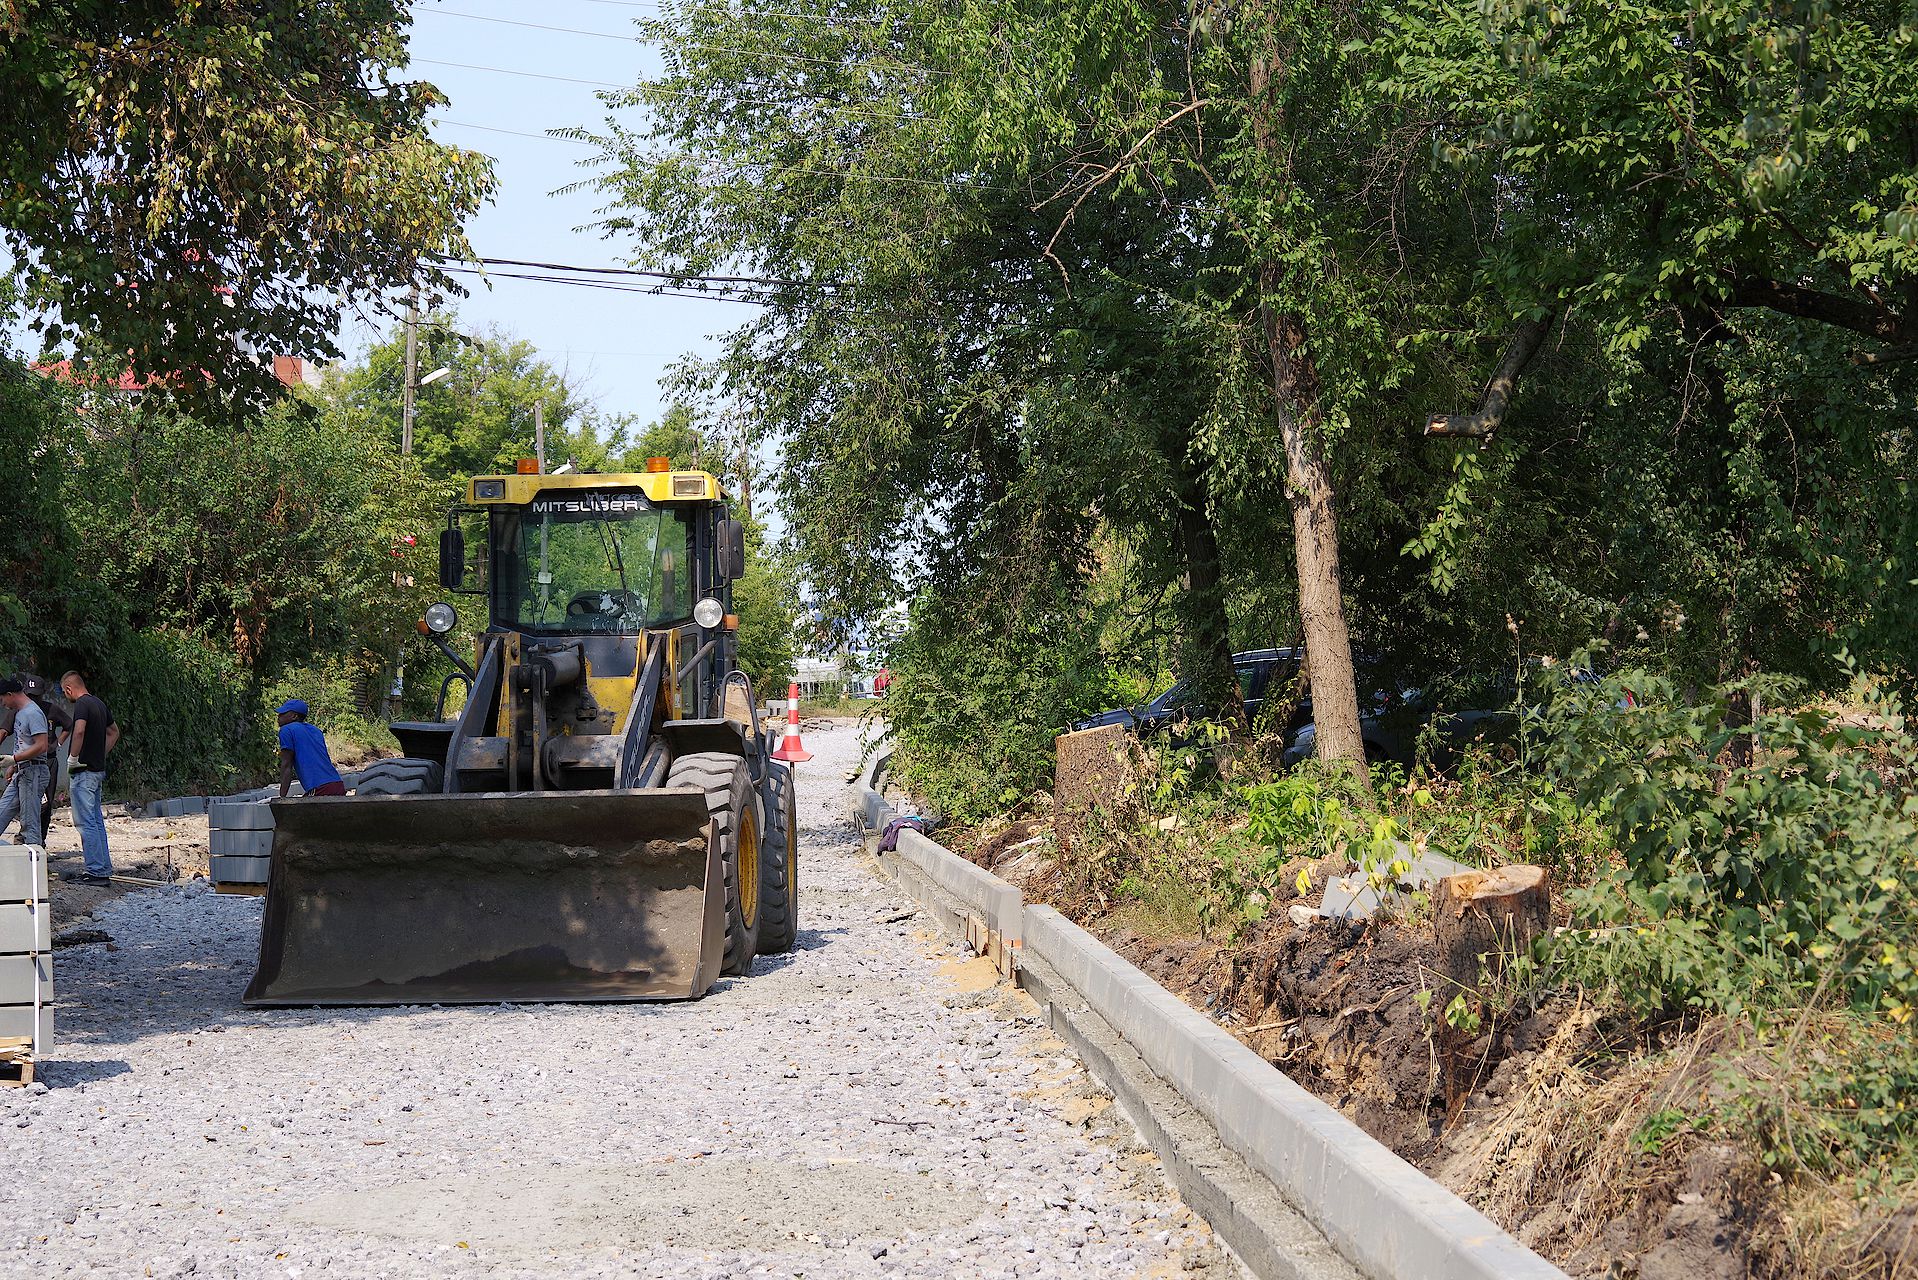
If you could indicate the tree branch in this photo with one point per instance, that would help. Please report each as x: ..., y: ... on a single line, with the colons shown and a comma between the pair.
x: 1826, y: 308
x: 1479, y: 425
x: 1106, y: 175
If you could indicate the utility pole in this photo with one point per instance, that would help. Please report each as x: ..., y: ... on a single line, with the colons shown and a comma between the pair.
x: 539, y: 434
x: 412, y: 371
x: 410, y: 377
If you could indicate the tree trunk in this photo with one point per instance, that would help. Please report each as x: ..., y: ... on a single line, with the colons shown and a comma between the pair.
x: 1203, y: 603
x: 1315, y: 543
x: 1308, y: 478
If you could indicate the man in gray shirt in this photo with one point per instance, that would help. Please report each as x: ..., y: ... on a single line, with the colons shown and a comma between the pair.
x: 26, y: 764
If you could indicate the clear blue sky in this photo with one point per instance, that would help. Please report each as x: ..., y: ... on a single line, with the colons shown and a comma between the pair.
x: 616, y: 346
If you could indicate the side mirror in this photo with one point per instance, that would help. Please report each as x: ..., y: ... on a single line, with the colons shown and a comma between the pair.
x: 732, y: 550
x: 452, y: 559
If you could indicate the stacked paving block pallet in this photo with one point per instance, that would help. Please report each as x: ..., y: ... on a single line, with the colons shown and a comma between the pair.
x: 239, y: 845
x: 26, y: 962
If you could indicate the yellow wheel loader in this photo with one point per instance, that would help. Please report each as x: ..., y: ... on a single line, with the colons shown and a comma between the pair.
x: 603, y: 818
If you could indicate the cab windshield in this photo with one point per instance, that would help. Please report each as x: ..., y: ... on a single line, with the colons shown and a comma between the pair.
x: 593, y: 560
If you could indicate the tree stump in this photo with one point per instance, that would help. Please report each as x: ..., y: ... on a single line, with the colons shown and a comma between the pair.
x: 1096, y: 768
x: 1483, y: 919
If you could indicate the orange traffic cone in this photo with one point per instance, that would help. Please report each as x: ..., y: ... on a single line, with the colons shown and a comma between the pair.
x: 791, y: 749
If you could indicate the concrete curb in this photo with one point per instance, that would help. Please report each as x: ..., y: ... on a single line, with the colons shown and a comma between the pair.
x: 181, y: 806
x: 1384, y: 1216
x: 1380, y: 1212
x: 1001, y: 906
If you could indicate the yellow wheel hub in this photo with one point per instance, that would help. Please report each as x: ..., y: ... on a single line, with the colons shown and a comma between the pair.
x: 748, y: 868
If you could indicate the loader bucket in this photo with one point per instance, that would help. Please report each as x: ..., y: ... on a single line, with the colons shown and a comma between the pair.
x: 473, y: 899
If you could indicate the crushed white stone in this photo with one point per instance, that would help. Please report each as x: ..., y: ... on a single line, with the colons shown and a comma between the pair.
x: 862, y: 1107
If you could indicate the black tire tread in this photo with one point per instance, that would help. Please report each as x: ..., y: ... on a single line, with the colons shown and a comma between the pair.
x: 400, y: 776
x: 779, y: 862
x: 729, y: 790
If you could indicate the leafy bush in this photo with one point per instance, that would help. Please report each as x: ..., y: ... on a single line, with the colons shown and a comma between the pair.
x: 189, y: 716
x: 1764, y: 861
x: 974, y: 715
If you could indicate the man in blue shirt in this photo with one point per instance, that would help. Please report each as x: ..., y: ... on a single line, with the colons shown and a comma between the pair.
x: 303, y: 751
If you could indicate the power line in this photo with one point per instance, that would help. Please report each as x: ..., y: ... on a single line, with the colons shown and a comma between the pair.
x: 613, y: 286
x: 708, y: 48
x: 517, y: 133
x: 530, y: 75
x: 656, y: 7
x: 656, y: 275
x: 535, y: 26
x: 675, y: 93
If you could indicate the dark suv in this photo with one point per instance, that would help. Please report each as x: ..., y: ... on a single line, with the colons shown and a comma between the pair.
x: 1257, y: 670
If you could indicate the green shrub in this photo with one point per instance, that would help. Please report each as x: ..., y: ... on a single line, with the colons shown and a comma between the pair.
x: 190, y: 718
x: 974, y: 715
x: 1746, y: 884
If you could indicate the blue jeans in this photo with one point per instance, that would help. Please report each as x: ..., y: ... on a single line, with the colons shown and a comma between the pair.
x: 84, y: 788
x: 22, y: 799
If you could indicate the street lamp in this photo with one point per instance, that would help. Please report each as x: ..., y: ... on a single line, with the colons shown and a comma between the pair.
x: 435, y: 376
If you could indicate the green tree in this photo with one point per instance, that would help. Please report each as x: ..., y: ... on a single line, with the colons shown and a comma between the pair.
x: 184, y: 182
x: 479, y: 417
x: 766, y: 599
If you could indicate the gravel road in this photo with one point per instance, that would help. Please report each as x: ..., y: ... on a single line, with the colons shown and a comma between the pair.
x: 871, y: 1105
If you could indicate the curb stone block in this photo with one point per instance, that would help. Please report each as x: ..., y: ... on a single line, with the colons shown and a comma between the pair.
x: 239, y: 870
x: 1387, y: 1217
x: 240, y: 815
x: 246, y: 844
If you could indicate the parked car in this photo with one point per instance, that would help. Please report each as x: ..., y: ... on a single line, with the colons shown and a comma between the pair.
x: 1256, y: 669
x: 1465, y: 709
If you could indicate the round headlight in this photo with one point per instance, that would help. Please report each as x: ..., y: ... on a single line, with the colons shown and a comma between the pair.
x: 709, y: 612
x: 440, y: 618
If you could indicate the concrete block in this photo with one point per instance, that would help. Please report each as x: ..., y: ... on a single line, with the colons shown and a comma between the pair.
x: 1387, y: 1217
x: 17, y: 1023
x: 23, y: 873
x: 239, y: 870
x: 242, y: 844
x: 25, y: 926
x: 239, y: 815
x: 19, y: 975
x: 999, y: 904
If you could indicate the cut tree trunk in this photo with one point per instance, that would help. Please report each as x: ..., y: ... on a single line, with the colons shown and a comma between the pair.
x: 1483, y: 919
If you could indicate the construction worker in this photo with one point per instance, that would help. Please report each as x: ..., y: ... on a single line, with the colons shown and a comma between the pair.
x: 26, y: 766
x: 303, y: 752
x: 94, y: 733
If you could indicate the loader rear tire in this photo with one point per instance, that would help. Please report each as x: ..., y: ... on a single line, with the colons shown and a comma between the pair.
x: 738, y: 821
x: 779, y: 863
x: 400, y: 776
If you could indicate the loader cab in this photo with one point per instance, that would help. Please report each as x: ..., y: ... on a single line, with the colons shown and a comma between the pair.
x: 587, y: 578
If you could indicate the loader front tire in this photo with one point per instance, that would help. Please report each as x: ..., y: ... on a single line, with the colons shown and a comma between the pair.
x: 400, y: 776
x: 779, y: 863
x: 738, y: 822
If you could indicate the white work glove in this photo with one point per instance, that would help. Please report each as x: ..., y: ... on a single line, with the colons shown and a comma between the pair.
x: 73, y: 764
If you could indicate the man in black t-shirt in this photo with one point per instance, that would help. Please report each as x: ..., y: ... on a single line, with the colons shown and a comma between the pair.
x: 94, y: 735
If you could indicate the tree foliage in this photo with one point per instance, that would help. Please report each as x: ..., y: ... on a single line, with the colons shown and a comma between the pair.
x: 184, y: 183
